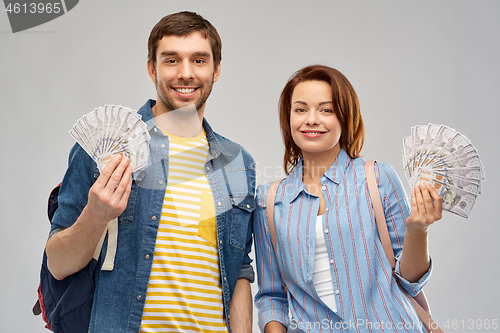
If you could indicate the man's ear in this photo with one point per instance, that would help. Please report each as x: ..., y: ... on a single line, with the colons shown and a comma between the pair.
x: 217, y: 73
x: 151, y: 71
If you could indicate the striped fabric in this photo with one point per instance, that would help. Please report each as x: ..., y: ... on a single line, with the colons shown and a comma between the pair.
x: 184, y: 291
x: 366, y: 294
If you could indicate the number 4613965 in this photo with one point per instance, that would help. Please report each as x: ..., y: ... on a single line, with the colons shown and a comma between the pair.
x: 33, y: 8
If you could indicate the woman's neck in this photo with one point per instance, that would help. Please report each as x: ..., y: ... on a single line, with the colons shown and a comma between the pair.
x: 316, y: 164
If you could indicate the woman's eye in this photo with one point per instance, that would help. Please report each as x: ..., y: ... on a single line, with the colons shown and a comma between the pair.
x: 300, y: 110
x: 327, y: 110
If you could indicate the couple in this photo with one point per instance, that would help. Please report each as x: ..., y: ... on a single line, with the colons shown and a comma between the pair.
x: 186, y: 220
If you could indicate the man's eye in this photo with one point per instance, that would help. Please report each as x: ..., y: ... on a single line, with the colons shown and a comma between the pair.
x: 170, y: 61
x: 199, y: 61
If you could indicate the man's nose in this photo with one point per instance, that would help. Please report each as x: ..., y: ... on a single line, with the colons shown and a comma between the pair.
x: 186, y: 71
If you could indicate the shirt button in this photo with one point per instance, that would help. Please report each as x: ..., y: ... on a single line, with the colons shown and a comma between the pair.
x: 219, y: 203
x: 323, y: 179
x: 326, y: 209
x: 208, y: 168
x: 139, y: 296
x: 155, y: 130
x: 147, y: 256
x: 331, y: 261
x: 336, y: 292
x: 162, y: 145
x: 161, y: 182
x: 326, y: 231
x: 153, y: 218
x: 323, y: 187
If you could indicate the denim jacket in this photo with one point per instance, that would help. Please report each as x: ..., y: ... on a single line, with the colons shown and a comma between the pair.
x: 121, y: 293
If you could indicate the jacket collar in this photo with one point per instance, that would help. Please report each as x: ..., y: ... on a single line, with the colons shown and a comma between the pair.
x: 215, y: 145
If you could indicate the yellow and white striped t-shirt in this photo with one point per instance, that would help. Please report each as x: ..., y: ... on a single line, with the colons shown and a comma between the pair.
x: 184, y: 291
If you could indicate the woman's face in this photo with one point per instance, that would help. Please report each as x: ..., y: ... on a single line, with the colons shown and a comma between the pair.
x: 314, y: 125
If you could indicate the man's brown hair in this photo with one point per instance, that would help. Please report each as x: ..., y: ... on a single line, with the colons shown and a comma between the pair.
x: 346, y: 107
x: 183, y: 24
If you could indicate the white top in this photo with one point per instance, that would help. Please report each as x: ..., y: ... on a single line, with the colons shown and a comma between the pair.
x: 322, y: 277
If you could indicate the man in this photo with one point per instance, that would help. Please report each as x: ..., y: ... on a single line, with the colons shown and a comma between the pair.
x: 184, y: 231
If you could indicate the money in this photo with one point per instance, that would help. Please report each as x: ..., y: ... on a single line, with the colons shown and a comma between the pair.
x: 110, y: 130
x: 446, y: 159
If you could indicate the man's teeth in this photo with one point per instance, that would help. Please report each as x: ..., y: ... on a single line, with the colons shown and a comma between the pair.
x: 185, y: 90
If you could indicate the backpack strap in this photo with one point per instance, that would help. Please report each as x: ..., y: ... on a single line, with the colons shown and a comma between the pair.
x: 379, y: 212
x: 112, y: 231
x: 419, y: 302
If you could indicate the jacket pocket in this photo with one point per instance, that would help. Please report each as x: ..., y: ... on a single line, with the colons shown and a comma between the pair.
x: 128, y: 214
x: 241, y: 215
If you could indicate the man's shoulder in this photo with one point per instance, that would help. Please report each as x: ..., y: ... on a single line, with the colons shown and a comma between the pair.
x: 231, y: 145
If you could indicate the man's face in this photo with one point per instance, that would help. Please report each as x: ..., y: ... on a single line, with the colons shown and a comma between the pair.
x: 184, y: 72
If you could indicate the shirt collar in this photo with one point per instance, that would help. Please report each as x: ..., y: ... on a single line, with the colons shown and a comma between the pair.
x: 334, y: 173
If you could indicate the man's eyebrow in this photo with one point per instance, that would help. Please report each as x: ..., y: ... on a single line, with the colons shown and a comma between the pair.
x: 195, y: 54
x: 167, y: 53
x: 202, y: 54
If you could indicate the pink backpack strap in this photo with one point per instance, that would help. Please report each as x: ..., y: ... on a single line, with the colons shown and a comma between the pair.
x: 379, y: 212
x: 419, y: 302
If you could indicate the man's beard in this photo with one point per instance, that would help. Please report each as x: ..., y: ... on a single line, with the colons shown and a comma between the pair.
x: 169, y: 99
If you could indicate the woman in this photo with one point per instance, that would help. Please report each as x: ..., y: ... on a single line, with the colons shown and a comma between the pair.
x: 330, y: 272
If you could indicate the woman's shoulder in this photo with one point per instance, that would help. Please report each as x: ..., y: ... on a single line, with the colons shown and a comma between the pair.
x: 263, y: 190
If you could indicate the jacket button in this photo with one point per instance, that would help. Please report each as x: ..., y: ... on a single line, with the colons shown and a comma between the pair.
x: 219, y: 203
x: 248, y: 206
x: 139, y: 296
x: 154, y: 218
x: 147, y: 256
x: 162, y: 145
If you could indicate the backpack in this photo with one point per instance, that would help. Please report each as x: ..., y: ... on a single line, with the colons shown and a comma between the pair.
x: 65, y: 305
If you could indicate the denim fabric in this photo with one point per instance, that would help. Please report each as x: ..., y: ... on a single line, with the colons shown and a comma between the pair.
x: 120, y: 294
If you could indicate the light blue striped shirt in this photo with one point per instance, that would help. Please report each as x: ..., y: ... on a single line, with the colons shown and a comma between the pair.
x: 367, y: 295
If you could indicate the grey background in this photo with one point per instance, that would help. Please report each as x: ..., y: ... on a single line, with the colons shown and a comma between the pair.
x: 410, y: 63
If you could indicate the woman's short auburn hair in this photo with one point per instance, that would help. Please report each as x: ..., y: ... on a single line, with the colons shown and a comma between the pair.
x: 346, y: 106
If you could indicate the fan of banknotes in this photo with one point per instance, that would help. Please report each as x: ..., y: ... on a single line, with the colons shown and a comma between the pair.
x: 110, y: 130
x: 445, y: 158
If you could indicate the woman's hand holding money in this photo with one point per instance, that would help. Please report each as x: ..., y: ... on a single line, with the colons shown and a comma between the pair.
x: 426, y: 208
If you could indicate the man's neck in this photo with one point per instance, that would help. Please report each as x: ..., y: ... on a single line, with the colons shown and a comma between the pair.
x: 184, y: 122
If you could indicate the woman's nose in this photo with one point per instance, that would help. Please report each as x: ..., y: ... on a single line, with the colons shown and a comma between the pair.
x: 312, y: 118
